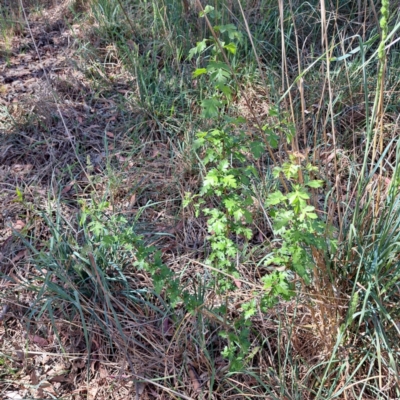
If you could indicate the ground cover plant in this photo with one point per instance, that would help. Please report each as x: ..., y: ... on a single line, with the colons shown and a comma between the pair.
x: 199, y: 199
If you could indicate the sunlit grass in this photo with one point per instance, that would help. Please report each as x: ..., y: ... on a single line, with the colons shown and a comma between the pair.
x: 338, y: 338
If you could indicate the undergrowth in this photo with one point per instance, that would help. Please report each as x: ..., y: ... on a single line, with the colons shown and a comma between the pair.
x: 233, y: 226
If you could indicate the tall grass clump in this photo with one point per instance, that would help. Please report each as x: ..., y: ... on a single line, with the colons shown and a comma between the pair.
x: 11, y: 24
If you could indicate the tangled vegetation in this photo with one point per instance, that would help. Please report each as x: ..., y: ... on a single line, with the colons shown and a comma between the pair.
x: 199, y: 200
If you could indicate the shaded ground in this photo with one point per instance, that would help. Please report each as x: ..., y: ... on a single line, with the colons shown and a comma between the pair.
x: 61, y: 143
x: 64, y: 140
x: 57, y: 132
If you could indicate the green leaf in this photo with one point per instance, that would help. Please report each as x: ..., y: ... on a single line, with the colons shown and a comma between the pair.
x: 207, y: 10
x: 232, y: 31
x: 283, y: 220
x: 198, y: 143
x: 300, y: 264
x: 229, y: 181
x: 211, y: 155
x: 226, y: 28
x: 198, y: 72
x: 211, y: 107
x: 211, y: 178
x: 218, y: 227
x: 276, y: 172
x: 231, y: 47
x: 108, y: 240
x: 217, y: 65
x: 257, y: 148
x: 223, y: 165
x: 187, y: 199
x: 238, y: 214
x: 315, y: 183
x: 219, y: 71
x: 220, y: 75
x: 235, y: 121
x: 226, y: 90
x: 275, y: 198
x: 97, y: 228
x: 251, y: 171
x: 200, y: 47
x: 290, y: 133
x: 230, y: 204
x: 272, y: 137
x: 297, y: 197
x: 311, y: 168
x: 249, y: 308
x: 247, y: 232
x: 312, y: 215
x: 303, y: 195
x: 273, y: 112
